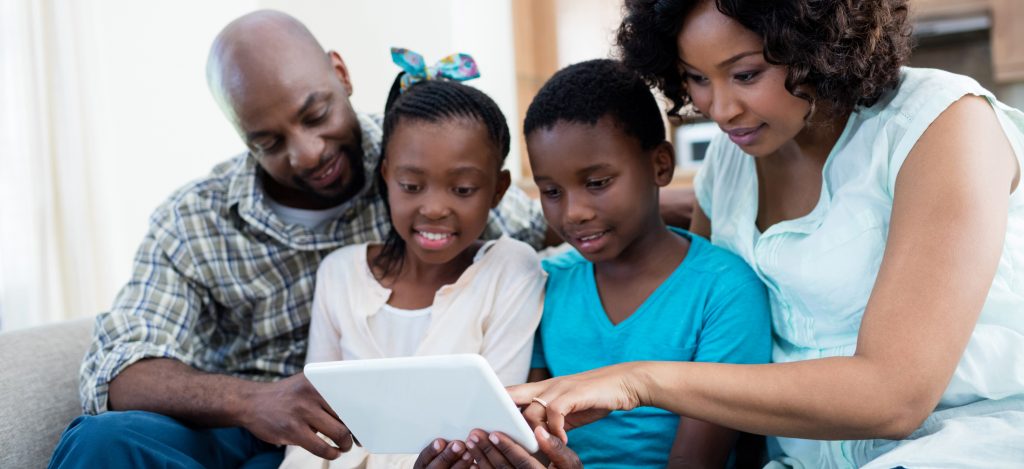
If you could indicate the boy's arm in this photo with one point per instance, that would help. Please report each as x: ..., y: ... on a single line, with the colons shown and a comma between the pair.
x: 700, y: 444
x: 538, y: 374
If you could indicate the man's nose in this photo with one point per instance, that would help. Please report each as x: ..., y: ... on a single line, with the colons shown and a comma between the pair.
x: 305, y: 152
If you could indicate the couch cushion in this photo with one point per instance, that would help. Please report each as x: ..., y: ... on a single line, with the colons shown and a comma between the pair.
x: 39, y: 389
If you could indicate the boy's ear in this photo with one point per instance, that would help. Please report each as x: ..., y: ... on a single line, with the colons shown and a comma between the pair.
x: 664, y: 161
x: 504, y: 181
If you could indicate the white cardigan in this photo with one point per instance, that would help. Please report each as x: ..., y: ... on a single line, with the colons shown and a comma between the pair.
x: 492, y: 309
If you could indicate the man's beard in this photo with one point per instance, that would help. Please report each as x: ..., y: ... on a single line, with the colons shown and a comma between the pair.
x: 354, y: 185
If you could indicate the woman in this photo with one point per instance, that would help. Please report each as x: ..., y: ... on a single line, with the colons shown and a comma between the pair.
x: 881, y: 206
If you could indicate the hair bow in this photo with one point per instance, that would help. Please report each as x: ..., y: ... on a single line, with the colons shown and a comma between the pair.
x: 457, y: 67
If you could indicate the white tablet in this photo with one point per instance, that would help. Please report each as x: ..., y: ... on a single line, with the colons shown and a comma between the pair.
x: 400, y: 405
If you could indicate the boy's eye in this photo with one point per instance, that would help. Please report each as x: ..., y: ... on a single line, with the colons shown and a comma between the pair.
x: 550, y: 193
x: 598, y: 183
x: 464, y: 191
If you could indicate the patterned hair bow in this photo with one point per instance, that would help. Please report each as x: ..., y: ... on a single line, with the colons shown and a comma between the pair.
x: 457, y: 67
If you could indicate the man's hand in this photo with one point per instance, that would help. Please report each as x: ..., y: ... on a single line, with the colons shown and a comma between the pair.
x: 291, y: 412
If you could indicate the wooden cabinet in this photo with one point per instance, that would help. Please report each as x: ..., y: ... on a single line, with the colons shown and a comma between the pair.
x: 1007, y: 29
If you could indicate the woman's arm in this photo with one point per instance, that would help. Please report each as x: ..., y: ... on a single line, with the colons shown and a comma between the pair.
x: 948, y: 225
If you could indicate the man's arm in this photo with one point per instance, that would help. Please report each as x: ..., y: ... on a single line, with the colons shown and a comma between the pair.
x: 139, y: 361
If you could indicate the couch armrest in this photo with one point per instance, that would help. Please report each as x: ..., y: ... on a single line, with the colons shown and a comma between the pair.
x: 39, y: 389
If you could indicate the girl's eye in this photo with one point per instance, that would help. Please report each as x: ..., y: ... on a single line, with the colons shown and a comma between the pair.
x: 412, y: 188
x: 746, y: 76
x: 598, y: 183
x: 464, y: 191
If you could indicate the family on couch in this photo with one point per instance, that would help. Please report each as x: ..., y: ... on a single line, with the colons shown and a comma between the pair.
x: 851, y: 283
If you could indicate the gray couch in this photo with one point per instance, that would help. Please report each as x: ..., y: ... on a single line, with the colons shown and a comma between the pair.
x: 39, y: 389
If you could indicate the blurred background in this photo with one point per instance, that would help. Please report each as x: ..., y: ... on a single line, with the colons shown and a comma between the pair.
x: 105, y: 110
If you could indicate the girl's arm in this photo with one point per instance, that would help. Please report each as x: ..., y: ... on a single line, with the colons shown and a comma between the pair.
x: 948, y: 225
x: 509, y: 331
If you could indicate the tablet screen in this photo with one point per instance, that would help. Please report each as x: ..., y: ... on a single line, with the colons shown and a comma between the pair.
x: 400, y: 405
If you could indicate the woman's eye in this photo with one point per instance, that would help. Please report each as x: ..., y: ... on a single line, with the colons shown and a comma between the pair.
x: 698, y: 79
x: 598, y: 183
x: 745, y: 76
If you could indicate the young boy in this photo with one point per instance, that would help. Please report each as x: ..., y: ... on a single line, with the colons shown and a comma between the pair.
x: 634, y: 288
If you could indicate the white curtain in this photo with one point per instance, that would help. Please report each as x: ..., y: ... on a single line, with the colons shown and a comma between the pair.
x: 48, y: 247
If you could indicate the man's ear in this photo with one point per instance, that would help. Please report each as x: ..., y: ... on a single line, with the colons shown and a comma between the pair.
x: 664, y: 161
x: 504, y: 181
x: 341, y: 70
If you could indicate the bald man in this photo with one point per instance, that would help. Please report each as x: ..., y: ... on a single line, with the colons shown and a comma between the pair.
x: 198, y: 363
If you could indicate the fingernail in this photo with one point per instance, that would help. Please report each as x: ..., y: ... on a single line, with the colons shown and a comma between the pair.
x: 471, y: 444
x: 474, y: 439
x: 543, y: 432
x: 457, y: 447
x: 493, y: 438
x: 438, y: 445
x: 466, y: 457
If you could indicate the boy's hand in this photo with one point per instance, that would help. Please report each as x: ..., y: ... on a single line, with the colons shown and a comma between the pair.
x: 497, y: 450
x: 291, y: 412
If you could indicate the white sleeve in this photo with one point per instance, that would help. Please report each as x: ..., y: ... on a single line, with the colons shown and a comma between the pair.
x: 510, y: 328
x: 324, y: 332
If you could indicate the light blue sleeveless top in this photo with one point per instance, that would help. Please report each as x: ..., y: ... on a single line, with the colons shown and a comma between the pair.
x: 820, y: 268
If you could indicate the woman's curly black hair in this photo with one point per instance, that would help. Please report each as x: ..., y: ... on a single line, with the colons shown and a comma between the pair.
x: 848, y: 51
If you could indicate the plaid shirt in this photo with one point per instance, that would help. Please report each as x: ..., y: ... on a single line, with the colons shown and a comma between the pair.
x: 223, y: 285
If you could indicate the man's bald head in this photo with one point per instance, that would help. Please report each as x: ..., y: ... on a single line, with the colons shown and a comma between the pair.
x: 260, y: 48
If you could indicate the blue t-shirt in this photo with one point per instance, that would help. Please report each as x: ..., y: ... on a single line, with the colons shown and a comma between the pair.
x: 712, y: 308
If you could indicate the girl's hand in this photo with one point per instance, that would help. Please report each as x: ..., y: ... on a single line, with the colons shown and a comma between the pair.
x: 497, y: 450
x: 442, y: 454
x: 572, y: 401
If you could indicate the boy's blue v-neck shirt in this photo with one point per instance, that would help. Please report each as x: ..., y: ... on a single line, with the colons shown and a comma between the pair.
x: 712, y: 308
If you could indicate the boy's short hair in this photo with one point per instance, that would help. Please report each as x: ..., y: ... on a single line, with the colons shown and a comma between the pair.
x: 587, y: 91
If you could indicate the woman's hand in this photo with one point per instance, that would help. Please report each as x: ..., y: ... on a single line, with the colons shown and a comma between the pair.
x: 572, y: 401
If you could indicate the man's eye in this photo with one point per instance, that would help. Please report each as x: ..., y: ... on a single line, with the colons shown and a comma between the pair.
x: 319, y: 118
x: 265, y: 146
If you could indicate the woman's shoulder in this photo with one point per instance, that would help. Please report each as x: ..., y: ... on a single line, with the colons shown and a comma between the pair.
x: 922, y: 91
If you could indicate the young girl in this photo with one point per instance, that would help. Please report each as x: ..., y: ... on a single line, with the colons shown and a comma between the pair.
x: 432, y: 287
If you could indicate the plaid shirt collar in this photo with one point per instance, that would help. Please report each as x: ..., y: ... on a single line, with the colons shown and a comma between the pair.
x: 245, y: 198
